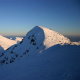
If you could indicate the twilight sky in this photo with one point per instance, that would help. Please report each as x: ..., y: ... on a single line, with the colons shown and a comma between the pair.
x: 17, y: 17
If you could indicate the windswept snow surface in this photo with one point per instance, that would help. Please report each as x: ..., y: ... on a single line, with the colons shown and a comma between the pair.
x: 42, y: 54
x: 53, y: 38
x: 55, y: 63
x: 5, y: 43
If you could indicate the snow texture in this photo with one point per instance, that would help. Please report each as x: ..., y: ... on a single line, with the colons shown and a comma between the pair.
x: 55, y: 63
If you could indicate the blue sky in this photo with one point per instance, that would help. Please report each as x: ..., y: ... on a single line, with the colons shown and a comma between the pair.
x: 17, y: 17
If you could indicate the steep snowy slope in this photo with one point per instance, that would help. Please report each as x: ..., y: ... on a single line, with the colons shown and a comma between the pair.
x: 55, y: 63
x: 53, y: 38
x: 6, y: 43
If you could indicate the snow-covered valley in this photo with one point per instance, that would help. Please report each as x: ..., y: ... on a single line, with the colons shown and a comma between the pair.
x: 43, y: 54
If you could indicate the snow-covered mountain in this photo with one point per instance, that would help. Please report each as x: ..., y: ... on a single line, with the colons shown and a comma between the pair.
x: 5, y: 43
x: 36, y: 40
x: 43, y: 54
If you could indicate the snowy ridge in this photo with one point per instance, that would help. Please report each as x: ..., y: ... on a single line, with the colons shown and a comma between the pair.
x: 5, y: 43
x: 36, y: 41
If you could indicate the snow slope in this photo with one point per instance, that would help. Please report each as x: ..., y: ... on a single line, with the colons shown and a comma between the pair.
x: 53, y: 38
x: 5, y: 43
x: 56, y: 63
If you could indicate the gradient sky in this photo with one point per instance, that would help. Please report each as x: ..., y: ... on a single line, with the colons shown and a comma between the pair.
x: 19, y: 16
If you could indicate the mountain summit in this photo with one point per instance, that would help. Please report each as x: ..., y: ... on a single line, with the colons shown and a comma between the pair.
x: 39, y: 38
x: 36, y: 41
x: 50, y: 37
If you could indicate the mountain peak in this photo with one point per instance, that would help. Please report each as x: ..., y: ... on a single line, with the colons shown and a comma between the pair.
x: 50, y: 37
x: 36, y: 41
